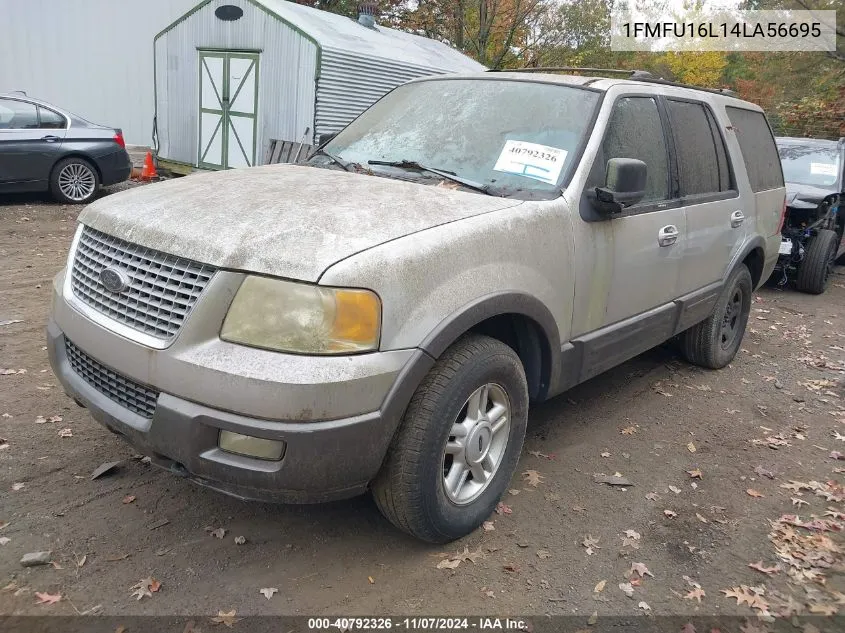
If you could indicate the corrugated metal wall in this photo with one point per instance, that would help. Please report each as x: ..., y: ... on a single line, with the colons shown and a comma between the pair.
x: 350, y: 83
x: 286, y: 81
x: 92, y: 57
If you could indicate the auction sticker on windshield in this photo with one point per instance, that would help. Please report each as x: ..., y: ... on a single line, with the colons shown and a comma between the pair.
x: 531, y: 160
x: 823, y: 169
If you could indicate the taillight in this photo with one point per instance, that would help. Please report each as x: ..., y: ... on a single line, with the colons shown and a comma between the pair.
x: 118, y: 138
x: 782, y: 215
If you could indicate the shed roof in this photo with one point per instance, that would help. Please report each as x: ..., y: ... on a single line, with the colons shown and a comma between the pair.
x: 339, y: 32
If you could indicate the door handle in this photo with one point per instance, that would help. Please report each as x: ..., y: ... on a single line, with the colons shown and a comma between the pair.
x: 668, y: 235
x: 737, y: 218
x: 50, y: 138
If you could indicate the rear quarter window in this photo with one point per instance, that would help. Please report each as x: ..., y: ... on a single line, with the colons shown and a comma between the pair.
x: 757, y: 144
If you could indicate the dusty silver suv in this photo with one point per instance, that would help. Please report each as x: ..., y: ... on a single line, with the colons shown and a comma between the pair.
x: 382, y: 317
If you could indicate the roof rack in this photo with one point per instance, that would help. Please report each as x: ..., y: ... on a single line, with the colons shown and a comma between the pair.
x: 635, y: 75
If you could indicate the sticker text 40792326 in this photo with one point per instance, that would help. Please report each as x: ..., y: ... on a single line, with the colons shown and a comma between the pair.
x: 531, y: 160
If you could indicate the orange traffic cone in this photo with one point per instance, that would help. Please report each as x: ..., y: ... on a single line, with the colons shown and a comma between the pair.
x: 149, y: 170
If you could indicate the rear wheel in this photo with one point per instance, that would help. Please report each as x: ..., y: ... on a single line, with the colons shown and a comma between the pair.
x: 817, y: 267
x: 74, y: 181
x: 713, y: 343
x: 458, y: 443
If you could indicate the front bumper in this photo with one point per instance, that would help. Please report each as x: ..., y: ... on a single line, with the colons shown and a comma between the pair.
x: 329, y: 454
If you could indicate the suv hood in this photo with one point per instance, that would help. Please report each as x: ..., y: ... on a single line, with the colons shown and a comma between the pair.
x: 284, y: 220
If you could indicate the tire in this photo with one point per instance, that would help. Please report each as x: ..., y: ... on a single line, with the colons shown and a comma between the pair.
x: 411, y: 488
x: 814, y: 272
x: 74, y: 181
x: 714, y: 342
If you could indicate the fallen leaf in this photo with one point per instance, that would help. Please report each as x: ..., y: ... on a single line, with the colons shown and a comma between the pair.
x: 240, y: 540
x: 589, y: 543
x: 689, y: 628
x: 5, y: 540
x: 489, y: 593
x: 512, y: 568
x: 696, y: 594
x: 371, y: 580
x: 225, y: 617
x: 80, y: 562
x: 18, y: 486
x: 218, y: 533
x: 543, y: 553
x: 695, y: 473
x: 762, y: 568
x: 628, y: 430
x: 691, y: 582
x: 448, y: 564
x: 514, y: 492
x: 532, y: 477
x: 605, y: 454
x: 691, y: 447
x: 47, y: 598
x: 627, y: 588
x: 670, y: 514
x: 641, y: 569
x: 675, y: 489
x: 799, y: 502
x: 652, y: 496
x: 488, y: 526
x: 631, y: 534
x: 599, y: 586
x: 764, y: 473
x: 65, y: 433
x: 145, y: 588
x: 700, y: 518
x: 502, y: 508
x: 268, y: 592
x: 593, y: 618
x: 824, y: 609
x: 644, y: 606
x: 128, y: 499
x: 542, y: 455
x: 753, y: 493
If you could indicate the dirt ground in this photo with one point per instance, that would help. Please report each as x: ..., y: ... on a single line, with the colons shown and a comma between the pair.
x: 708, y: 454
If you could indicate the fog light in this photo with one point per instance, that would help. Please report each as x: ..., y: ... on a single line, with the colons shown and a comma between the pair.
x: 251, y: 446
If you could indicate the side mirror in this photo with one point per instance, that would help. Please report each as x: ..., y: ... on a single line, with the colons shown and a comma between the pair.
x: 624, y: 185
x: 325, y: 138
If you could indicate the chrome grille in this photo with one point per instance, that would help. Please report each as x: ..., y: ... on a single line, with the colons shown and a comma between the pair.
x: 162, y: 291
x: 122, y: 390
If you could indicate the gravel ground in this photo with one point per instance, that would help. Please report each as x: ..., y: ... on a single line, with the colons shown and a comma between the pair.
x: 708, y: 453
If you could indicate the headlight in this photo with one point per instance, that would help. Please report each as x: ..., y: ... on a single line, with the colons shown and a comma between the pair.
x: 302, y: 318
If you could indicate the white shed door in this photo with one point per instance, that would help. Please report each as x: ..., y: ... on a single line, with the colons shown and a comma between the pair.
x: 228, y: 109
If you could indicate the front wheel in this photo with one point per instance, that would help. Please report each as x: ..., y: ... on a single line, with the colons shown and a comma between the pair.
x: 714, y: 342
x: 817, y: 267
x: 458, y: 443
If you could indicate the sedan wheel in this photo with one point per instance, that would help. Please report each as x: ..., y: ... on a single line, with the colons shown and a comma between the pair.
x: 74, y: 181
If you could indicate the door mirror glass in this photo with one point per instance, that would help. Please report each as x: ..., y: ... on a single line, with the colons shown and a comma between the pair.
x: 625, y: 184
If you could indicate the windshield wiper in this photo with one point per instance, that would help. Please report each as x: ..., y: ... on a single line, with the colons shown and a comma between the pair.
x: 448, y: 175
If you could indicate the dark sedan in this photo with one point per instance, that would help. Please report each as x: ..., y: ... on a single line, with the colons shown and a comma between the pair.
x: 45, y: 148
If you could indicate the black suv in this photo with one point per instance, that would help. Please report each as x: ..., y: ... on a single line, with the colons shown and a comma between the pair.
x: 814, y: 220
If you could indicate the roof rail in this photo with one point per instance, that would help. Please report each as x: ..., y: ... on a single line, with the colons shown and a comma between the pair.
x: 665, y: 82
x: 557, y: 69
x: 636, y: 75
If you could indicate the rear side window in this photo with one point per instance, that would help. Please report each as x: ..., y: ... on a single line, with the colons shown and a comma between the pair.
x: 702, y: 159
x: 635, y: 131
x: 51, y: 120
x: 759, y: 151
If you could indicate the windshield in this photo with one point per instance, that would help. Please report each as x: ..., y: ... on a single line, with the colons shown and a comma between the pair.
x: 516, y: 138
x: 810, y: 165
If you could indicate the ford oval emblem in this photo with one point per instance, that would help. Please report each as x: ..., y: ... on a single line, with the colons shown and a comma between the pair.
x: 114, y: 279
